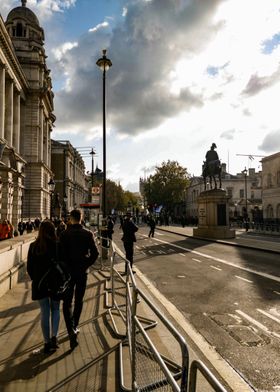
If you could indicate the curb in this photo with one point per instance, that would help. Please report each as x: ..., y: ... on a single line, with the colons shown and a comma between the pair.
x: 223, y: 242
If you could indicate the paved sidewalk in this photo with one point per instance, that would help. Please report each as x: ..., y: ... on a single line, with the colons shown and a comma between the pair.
x: 243, y: 239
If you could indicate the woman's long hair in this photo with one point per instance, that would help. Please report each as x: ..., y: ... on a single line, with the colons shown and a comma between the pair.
x: 45, y: 238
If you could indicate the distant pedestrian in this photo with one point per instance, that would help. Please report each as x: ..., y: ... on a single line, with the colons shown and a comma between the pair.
x: 152, y: 224
x: 29, y: 226
x: 21, y: 227
x: 40, y: 255
x: 60, y: 228
x: 79, y: 252
x: 110, y: 227
x: 129, y: 229
x: 4, y: 230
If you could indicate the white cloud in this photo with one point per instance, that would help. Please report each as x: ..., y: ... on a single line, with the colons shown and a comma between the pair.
x: 99, y: 26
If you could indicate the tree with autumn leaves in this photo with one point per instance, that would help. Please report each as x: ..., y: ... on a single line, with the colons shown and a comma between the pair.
x: 166, y: 187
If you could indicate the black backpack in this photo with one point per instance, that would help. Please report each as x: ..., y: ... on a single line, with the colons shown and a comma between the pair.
x: 56, y: 280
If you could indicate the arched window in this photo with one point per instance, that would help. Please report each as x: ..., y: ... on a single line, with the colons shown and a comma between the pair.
x: 269, y: 211
x: 19, y: 30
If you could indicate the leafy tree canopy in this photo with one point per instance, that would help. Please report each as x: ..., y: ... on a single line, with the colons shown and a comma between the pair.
x: 167, y: 185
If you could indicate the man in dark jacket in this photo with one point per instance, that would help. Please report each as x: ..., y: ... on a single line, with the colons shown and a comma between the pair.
x: 79, y: 252
x: 129, y: 229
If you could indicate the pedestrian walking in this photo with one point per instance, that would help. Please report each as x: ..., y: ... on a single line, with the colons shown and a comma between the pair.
x: 129, y: 229
x: 152, y: 224
x: 110, y: 227
x: 40, y: 255
x: 79, y: 252
x: 21, y: 227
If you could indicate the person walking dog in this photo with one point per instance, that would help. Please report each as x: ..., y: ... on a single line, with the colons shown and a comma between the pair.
x: 78, y: 252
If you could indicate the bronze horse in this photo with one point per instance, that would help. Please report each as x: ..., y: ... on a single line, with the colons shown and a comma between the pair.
x: 211, y: 170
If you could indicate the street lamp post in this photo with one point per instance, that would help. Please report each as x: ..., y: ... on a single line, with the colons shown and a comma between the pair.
x: 104, y: 64
x: 246, y: 202
x: 92, y: 153
x: 51, y: 185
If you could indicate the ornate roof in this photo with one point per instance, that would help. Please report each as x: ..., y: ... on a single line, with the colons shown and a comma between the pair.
x: 24, y: 13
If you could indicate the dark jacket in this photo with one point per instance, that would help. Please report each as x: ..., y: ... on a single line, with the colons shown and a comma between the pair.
x: 37, y: 266
x: 129, y: 230
x: 78, y: 249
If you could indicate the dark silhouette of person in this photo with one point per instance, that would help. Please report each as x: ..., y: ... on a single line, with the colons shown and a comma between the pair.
x: 78, y: 252
x: 110, y: 227
x: 152, y: 224
x: 129, y: 229
x: 212, y: 156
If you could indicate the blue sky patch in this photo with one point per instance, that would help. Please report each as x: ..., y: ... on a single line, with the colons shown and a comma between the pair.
x: 270, y: 44
x: 213, y: 71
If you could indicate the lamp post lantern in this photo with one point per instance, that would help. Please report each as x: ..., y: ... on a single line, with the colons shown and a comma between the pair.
x: 104, y: 64
x: 51, y: 185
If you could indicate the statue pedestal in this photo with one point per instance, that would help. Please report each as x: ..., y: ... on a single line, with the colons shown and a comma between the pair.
x: 213, y: 215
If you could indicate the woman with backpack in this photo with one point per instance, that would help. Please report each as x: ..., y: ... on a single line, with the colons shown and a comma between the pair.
x: 40, y: 257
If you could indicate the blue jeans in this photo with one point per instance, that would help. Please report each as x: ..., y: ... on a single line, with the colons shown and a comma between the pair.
x: 49, y: 311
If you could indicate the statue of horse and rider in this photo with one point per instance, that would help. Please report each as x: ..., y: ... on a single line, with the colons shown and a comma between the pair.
x: 212, y: 168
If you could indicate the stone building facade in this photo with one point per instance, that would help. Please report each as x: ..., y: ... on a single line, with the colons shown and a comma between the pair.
x: 271, y: 187
x: 26, y: 117
x: 70, y: 178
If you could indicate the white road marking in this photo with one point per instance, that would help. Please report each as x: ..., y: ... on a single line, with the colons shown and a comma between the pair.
x: 257, y: 323
x: 182, y: 254
x: 245, y: 280
x: 216, y: 268
x: 276, y: 292
x: 269, y: 315
x: 262, y: 274
x: 199, y: 261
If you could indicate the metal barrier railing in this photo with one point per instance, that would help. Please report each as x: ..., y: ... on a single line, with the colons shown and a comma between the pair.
x: 150, y: 370
x: 198, y: 365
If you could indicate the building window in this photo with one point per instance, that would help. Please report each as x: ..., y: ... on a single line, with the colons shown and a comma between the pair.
x: 20, y: 31
x: 269, y: 180
x: 241, y: 193
x: 269, y: 211
x: 278, y: 211
x: 229, y: 192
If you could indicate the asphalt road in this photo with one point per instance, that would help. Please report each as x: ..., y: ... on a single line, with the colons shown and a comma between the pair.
x: 230, y: 295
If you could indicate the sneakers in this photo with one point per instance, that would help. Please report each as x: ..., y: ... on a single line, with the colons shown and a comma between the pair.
x: 73, y: 341
x: 51, y: 346
x: 77, y: 330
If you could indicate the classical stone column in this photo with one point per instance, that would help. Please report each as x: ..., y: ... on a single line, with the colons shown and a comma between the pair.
x: 9, y: 111
x: 16, y: 129
x: 2, y: 100
x: 41, y: 135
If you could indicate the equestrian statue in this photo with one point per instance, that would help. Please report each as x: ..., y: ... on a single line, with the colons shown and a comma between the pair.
x: 212, y: 168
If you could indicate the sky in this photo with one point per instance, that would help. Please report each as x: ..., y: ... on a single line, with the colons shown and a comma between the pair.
x: 185, y: 74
